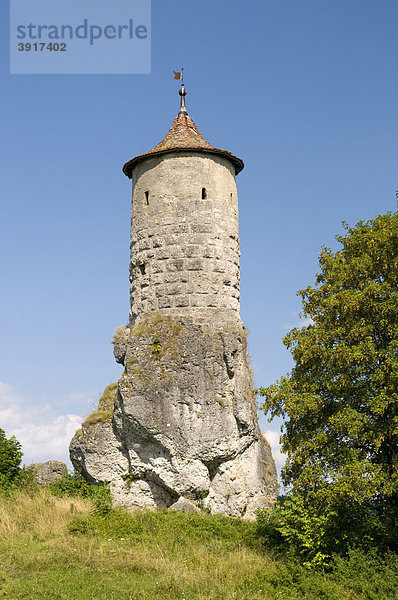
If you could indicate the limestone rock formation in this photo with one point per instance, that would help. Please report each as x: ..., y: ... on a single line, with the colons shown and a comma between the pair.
x: 48, y: 472
x: 184, y: 423
x: 185, y: 506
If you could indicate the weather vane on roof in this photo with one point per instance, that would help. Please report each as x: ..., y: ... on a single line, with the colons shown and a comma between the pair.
x: 183, y: 91
x: 179, y: 75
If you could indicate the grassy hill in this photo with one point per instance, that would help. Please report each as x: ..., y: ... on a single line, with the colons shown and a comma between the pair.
x: 56, y: 548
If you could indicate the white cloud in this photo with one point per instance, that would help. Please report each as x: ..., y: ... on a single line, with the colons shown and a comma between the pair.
x: 44, y: 435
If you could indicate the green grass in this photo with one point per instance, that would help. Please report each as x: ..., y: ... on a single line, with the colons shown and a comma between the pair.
x: 56, y: 549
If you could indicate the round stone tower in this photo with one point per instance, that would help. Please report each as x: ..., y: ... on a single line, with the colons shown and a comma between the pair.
x: 184, y: 228
x: 179, y: 430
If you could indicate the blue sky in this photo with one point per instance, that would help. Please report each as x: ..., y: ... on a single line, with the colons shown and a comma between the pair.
x: 304, y: 91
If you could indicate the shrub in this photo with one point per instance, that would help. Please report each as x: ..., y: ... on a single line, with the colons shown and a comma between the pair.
x: 10, y: 459
x: 75, y: 485
x: 102, y: 500
x: 317, y: 532
x: 370, y: 574
x: 296, y: 529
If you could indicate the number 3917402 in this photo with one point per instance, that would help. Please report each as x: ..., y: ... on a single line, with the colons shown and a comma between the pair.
x: 42, y: 46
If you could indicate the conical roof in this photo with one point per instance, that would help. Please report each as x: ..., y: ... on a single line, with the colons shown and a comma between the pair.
x: 183, y: 136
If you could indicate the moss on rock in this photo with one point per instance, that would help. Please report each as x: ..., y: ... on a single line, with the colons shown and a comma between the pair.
x: 107, y: 400
x: 98, y: 416
x: 105, y: 406
x: 163, y: 333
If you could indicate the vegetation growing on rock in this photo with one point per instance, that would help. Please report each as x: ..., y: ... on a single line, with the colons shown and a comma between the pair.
x: 105, y: 407
x: 162, y: 332
x: 120, y: 333
x: 107, y: 400
x: 97, y: 416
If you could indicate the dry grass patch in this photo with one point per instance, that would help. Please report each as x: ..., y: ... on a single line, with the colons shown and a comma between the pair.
x: 105, y: 407
x: 98, y: 416
x: 40, y: 513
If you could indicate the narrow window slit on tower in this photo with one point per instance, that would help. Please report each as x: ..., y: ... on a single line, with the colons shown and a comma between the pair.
x: 142, y: 269
x: 204, y: 194
x: 231, y: 196
x: 147, y: 197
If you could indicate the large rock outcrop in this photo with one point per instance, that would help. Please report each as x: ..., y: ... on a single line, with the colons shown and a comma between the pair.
x: 48, y: 472
x: 183, y: 425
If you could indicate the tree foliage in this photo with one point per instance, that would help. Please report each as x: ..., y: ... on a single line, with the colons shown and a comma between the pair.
x: 10, y: 459
x: 340, y: 401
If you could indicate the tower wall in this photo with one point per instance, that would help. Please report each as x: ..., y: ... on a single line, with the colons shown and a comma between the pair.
x: 185, y: 238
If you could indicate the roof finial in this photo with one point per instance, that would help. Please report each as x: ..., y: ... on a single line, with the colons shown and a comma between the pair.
x: 183, y: 91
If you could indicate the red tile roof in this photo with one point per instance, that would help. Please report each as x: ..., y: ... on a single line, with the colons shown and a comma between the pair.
x: 182, y: 137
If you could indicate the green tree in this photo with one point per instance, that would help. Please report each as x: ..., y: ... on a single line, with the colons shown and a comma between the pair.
x: 340, y: 401
x: 10, y: 459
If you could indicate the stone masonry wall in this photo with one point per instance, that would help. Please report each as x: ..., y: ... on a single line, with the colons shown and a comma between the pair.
x: 185, y: 238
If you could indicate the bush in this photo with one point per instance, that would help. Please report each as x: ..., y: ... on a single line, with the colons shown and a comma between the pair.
x: 10, y: 459
x: 297, y: 530
x: 317, y: 532
x: 71, y: 485
x: 370, y: 574
x: 75, y: 485
x: 102, y: 500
